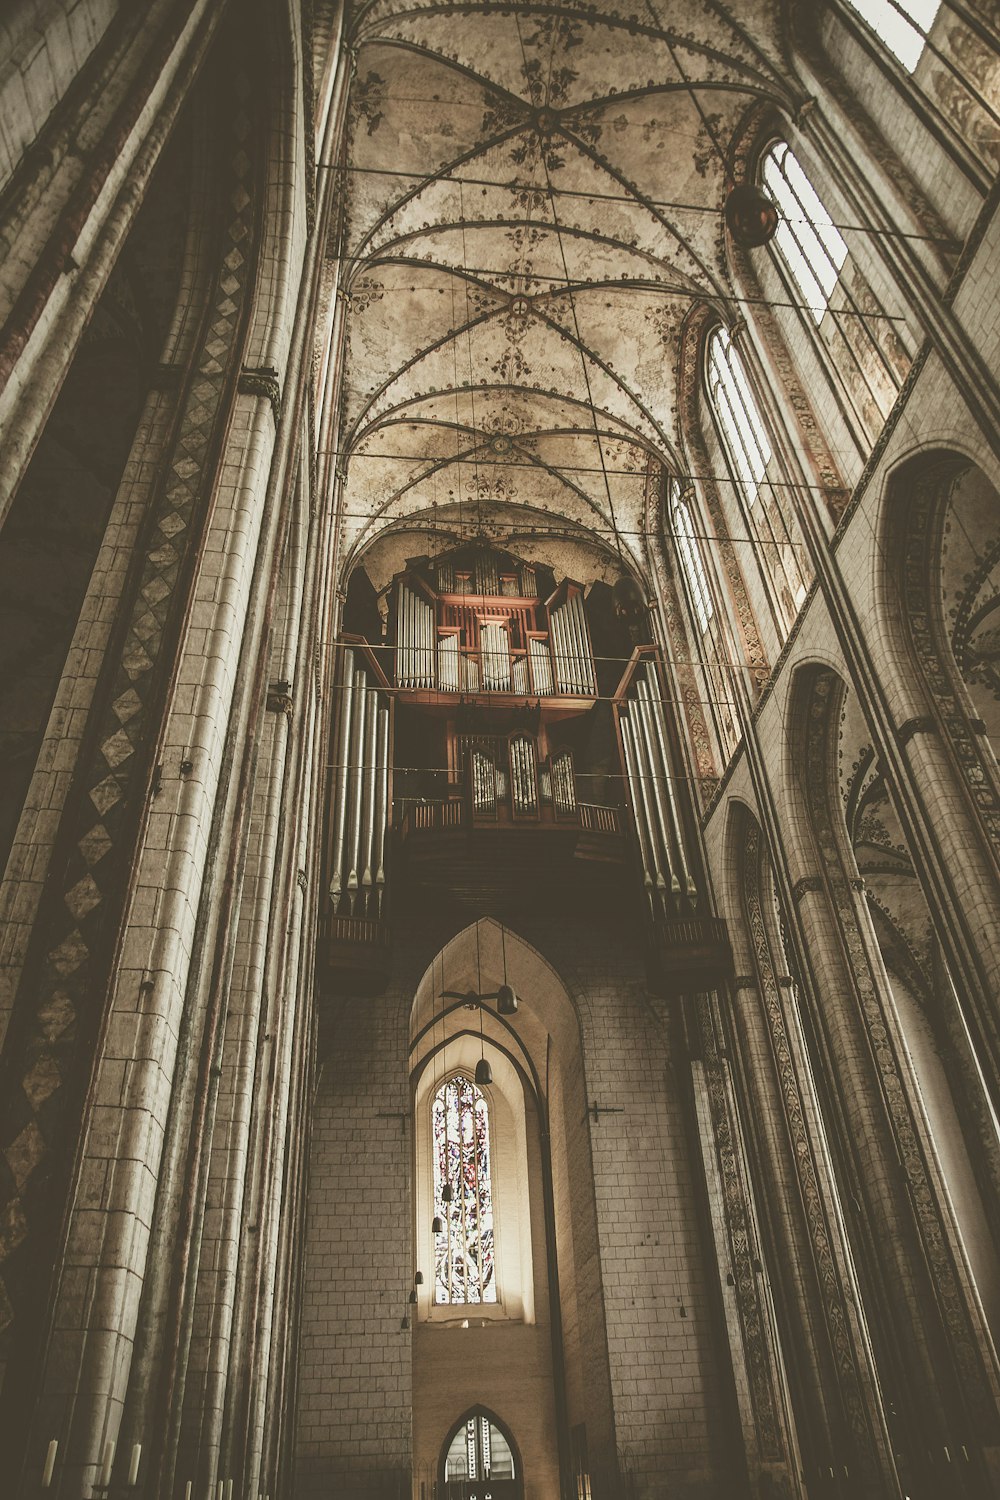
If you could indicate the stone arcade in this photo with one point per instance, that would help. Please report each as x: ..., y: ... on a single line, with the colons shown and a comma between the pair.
x: 499, y: 799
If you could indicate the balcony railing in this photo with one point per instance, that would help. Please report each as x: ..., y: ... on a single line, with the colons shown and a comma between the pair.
x: 504, y: 783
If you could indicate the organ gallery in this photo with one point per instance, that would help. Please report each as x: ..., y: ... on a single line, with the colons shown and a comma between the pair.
x: 499, y: 801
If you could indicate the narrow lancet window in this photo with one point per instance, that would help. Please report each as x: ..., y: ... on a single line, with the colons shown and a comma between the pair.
x: 464, y: 1260
x: 807, y: 240
x: 761, y: 491
x: 743, y: 432
x: 901, y: 24
x: 691, y: 561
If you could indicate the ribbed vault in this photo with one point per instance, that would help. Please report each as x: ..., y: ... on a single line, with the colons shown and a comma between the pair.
x: 533, y: 207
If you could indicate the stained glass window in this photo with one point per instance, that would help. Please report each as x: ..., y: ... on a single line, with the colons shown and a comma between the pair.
x: 464, y: 1264
x: 807, y: 240
x: 901, y: 24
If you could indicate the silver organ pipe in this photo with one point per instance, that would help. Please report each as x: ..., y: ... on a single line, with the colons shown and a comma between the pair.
x: 487, y: 574
x: 644, y: 778
x: 560, y: 654
x: 368, y: 777
x: 342, y: 762
x: 563, y: 786
x: 448, y: 667
x: 416, y: 640
x: 484, y: 784
x: 519, y: 677
x: 648, y: 754
x: 361, y: 796
x: 575, y: 672
x: 541, y: 666
x: 400, y: 635
x: 523, y: 776
x: 354, y: 789
x: 381, y: 820
x: 571, y: 647
x: 495, y: 657
x: 638, y: 805
x: 647, y: 686
x: 427, y: 633
x: 529, y: 582
x: 582, y: 637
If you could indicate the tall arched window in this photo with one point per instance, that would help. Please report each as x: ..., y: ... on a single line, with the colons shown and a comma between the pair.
x: 743, y: 432
x: 901, y: 24
x: 851, y: 328
x: 774, y: 538
x: 808, y: 241
x: 464, y: 1251
x: 691, y: 561
x: 707, y: 640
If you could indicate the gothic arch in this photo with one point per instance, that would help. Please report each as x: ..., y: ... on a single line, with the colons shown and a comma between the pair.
x: 924, y: 495
x: 875, y: 1116
x: 544, y: 1182
x: 824, y: 1338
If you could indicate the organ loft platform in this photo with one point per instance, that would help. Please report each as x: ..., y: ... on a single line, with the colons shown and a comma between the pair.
x: 500, y: 736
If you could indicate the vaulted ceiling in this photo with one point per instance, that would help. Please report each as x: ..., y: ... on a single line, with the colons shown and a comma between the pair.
x: 533, y: 208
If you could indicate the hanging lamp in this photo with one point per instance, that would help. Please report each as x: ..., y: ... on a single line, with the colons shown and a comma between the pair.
x: 484, y: 1073
x: 506, y: 998
x: 437, y: 1226
x: 751, y: 216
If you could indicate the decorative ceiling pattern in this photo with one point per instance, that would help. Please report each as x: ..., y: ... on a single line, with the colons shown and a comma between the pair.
x: 533, y: 207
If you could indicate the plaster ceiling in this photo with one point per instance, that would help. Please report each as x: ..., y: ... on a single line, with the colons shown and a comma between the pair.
x: 533, y: 207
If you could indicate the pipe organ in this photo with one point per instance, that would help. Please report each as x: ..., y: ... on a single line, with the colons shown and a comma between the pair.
x: 478, y: 630
x: 652, y: 781
x: 472, y: 740
x: 361, y: 805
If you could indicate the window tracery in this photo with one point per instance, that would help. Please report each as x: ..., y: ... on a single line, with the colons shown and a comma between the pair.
x: 901, y: 24
x: 707, y: 640
x: 807, y: 240
x: 691, y: 560
x: 765, y: 502
x: 854, y: 332
x: 464, y: 1251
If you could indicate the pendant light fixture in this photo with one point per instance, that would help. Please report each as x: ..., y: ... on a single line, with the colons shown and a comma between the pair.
x: 484, y: 1073
x: 750, y: 215
x: 506, y: 998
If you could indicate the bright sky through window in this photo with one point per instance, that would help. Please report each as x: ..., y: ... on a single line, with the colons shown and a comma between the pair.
x: 743, y: 433
x: 464, y: 1269
x: 811, y: 246
x: 902, y: 27
x: 691, y: 562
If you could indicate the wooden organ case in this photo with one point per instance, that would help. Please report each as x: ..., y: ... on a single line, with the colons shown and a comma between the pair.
x: 482, y: 755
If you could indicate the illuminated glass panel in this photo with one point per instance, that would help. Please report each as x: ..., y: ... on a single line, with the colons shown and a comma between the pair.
x: 807, y: 239
x: 479, y: 1450
x: 901, y: 24
x: 464, y: 1267
x: 691, y: 561
x: 740, y: 423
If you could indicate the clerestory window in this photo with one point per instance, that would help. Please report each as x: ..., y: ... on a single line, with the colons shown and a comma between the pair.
x: 743, y: 433
x: 807, y: 240
x: 464, y: 1250
x: 689, y: 552
x: 901, y: 24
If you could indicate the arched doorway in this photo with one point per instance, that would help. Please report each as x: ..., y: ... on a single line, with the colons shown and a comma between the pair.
x: 479, y: 1460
